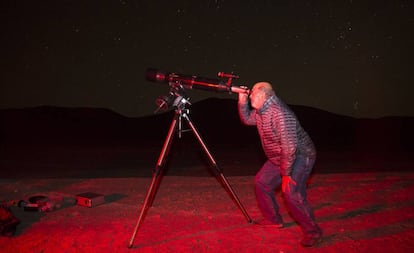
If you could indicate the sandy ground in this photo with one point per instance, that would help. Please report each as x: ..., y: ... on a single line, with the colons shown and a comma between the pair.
x: 359, y: 212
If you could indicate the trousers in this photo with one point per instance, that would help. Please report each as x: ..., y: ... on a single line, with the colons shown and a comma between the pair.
x: 268, y: 179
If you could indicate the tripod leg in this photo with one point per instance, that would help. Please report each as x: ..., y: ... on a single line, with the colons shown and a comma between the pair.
x: 220, y: 171
x: 155, y: 178
x: 145, y: 207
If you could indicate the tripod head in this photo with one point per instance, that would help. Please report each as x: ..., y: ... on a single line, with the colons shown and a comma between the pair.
x: 176, y: 98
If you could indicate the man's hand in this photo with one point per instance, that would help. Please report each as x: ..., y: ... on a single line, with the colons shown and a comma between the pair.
x: 243, y: 98
x: 286, y: 181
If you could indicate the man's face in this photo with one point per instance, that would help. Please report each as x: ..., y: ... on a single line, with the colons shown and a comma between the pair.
x: 257, y: 98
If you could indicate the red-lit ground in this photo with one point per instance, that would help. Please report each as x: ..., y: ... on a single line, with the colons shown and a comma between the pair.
x: 359, y: 212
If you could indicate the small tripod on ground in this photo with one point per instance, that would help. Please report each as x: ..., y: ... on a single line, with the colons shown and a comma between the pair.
x: 179, y: 101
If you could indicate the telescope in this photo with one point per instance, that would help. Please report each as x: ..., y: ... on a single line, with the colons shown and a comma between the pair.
x: 196, y: 82
x: 178, y: 100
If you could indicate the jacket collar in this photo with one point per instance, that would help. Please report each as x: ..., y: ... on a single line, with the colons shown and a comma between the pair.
x: 267, y: 104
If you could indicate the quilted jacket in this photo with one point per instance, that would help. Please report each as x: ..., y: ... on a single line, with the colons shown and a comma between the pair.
x: 281, y: 134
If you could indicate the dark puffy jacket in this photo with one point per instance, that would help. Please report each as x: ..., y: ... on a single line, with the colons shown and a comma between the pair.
x: 281, y: 134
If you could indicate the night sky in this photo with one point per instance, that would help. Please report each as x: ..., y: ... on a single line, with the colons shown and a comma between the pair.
x: 348, y: 57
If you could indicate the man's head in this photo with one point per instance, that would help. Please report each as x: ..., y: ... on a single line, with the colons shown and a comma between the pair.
x: 260, y: 92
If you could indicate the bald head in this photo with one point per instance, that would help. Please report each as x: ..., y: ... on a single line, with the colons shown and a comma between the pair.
x: 264, y: 87
x: 259, y: 93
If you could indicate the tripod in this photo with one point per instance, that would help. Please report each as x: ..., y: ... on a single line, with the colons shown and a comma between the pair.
x: 181, y: 112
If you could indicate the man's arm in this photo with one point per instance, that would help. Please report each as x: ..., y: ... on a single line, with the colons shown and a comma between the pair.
x: 245, y: 112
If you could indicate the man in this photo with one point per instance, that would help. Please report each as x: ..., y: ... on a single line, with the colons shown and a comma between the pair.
x: 291, y: 156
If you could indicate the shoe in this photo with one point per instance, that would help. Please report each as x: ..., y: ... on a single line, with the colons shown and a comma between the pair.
x: 267, y: 223
x: 311, y: 240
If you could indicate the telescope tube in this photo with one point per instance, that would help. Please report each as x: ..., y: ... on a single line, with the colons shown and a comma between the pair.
x: 192, y: 81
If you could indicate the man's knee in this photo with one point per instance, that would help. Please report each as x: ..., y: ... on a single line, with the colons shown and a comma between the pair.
x: 259, y: 179
x: 261, y: 186
x: 294, y: 197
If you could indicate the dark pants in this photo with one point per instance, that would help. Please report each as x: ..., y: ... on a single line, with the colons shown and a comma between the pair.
x: 269, y: 178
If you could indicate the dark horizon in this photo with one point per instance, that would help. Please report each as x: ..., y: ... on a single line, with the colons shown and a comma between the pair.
x: 39, y: 141
x: 208, y: 114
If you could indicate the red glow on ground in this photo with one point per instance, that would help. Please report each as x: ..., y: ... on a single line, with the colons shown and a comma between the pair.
x: 371, y: 212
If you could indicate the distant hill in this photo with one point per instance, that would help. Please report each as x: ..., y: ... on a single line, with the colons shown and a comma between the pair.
x: 328, y: 130
x: 216, y: 119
